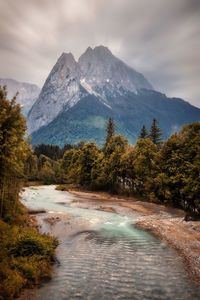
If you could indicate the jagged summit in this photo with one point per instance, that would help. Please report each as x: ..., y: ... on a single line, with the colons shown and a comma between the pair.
x: 67, y: 58
x: 98, y: 49
x: 98, y: 72
x: 100, y: 69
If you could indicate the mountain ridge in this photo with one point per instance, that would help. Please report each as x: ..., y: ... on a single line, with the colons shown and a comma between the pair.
x: 79, y: 96
x: 28, y: 92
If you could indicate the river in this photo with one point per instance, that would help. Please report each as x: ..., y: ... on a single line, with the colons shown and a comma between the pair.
x: 103, y: 255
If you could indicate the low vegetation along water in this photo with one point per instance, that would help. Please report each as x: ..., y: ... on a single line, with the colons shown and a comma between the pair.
x: 104, y: 256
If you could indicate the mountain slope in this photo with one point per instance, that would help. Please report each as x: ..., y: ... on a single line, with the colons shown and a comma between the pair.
x: 28, y: 93
x: 87, y: 119
x: 84, y: 121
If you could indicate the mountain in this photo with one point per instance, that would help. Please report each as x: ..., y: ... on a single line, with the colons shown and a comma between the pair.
x: 98, y: 72
x: 78, y: 98
x: 28, y: 93
x: 107, y: 75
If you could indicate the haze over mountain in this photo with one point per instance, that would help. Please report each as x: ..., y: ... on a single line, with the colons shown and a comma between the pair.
x: 28, y: 93
x: 78, y: 98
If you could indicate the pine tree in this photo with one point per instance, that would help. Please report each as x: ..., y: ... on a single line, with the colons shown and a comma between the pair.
x: 143, y: 132
x: 155, y: 133
x: 110, y: 129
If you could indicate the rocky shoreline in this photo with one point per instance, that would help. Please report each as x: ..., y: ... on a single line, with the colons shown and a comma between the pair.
x: 182, y: 236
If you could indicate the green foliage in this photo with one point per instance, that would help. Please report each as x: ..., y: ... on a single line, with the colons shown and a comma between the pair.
x: 43, y: 169
x: 110, y: 129
x: 54, y: 152
x: 170, y: 175
x: 143, y: 133
x: 155, y: 133
x: 98, y: 174
x: 113, y: 152
x: 24, y: 258
x: 178, y: 180
x: 13, y: 153
x: 144, y: 166
x: 88, y: 155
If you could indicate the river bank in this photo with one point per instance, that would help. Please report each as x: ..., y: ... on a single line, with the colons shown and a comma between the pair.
x: 103, y: 253
x: 165, y: 222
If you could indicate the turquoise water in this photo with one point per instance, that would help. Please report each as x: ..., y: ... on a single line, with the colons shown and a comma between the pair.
x: 104, y: 256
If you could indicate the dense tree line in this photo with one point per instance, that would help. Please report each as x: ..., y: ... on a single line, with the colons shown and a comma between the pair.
x: 43, y: 164
x: 54, y: 152
x: 166, y: 172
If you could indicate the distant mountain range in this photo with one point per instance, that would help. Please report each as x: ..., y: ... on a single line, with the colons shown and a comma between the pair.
x: 78, y: 98
x: 28, y: 93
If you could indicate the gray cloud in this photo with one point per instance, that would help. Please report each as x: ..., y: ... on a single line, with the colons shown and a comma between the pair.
x: 159, y: 38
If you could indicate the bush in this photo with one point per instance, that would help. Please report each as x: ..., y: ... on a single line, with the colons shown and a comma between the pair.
x: 25, y: 258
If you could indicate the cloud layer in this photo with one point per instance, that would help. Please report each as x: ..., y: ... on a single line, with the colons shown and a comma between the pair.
x: 158, y: 38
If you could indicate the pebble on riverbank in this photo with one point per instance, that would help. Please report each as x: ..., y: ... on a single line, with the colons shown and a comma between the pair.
x: 181, y: 235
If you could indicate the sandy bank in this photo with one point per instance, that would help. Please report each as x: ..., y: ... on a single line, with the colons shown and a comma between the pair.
x: 144, y: 208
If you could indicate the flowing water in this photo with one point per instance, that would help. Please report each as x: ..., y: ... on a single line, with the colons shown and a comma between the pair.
x: 104, y: 256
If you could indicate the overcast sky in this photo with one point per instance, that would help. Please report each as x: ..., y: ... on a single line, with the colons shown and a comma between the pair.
x: 159, y: 38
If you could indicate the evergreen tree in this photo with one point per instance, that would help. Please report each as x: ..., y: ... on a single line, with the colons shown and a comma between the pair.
x: 155, y: 133
x: 110, y: 129
x: 143, y: 132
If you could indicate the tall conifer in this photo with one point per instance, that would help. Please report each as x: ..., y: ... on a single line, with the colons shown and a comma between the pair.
x: 143, y: 132
x: 155, y: 133
x: 110, y: 129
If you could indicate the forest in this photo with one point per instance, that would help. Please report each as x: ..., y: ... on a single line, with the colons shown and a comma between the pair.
x: 165, y: 172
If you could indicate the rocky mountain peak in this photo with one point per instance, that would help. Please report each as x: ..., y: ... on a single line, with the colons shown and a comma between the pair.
x: 65, y: 67
x: 100, y: 68
x: 60, y: 91
x: 67, y: 59
x: 98, y: 72
x: 96, y: 57
x: 102, y: 51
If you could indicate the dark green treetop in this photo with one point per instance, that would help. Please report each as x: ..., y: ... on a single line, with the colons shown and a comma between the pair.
x: 110, y: 129
x: 143, y: 132
x: 155, y: 133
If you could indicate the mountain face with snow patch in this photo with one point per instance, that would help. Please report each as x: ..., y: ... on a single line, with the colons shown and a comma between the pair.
x: 105, y: 73
x: 97, y: 72
x: 28, y: 93
x: 78, y: 98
